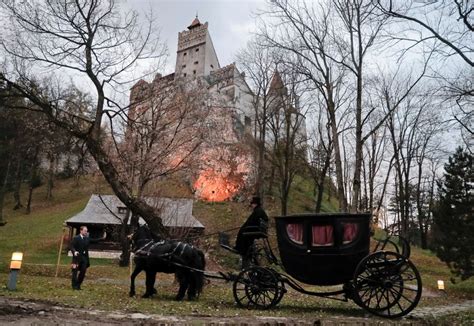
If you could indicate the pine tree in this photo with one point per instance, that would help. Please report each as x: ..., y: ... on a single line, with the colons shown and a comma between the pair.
x: 453, y: 217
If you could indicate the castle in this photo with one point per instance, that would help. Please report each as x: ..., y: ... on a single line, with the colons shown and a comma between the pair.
x: 211, y: 111
x: 223, y: 163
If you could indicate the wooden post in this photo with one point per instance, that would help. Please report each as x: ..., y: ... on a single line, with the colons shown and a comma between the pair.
x: 59, y: 253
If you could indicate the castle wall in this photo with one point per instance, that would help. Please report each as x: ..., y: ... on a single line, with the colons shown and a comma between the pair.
x: 211, y: 62
x: 223, y: 163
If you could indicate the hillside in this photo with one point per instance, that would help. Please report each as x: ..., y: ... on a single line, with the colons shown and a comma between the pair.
x: 38, y: 236
x: 41, y: 230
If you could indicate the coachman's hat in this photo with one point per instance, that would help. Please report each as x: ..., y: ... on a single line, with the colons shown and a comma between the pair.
x: 256, y: 201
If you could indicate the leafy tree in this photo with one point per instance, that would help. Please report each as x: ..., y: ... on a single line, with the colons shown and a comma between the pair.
x: 453, y: 218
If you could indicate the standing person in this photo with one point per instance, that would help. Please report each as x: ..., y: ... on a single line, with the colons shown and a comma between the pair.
x: 80, y: 256
x: 255, y: 227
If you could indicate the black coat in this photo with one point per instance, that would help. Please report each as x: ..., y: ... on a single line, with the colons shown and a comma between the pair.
x: 253, y: 224
x: 81, y: 246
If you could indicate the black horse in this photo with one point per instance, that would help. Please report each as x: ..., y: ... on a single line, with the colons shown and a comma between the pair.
x: 154, y: 255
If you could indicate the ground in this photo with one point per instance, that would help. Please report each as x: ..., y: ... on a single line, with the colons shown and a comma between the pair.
x: 30, y: 312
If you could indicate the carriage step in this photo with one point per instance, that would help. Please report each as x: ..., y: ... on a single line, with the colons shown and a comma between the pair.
x: 226, y: 247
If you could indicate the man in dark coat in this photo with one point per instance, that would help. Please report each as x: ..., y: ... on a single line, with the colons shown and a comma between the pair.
x: 80, y: 256
x: 253, y: 228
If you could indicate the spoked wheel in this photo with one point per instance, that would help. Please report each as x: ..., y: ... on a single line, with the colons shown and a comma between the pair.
x: 257, y: 287
x: 387, y: 284
x: 281, y: 287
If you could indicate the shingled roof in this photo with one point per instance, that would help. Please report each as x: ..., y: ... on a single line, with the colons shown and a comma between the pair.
x: 195, y: 23
x: 174, y: 212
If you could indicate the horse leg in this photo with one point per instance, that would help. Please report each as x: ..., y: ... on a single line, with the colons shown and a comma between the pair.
x: 183, y: 284
x: 192, y: 285
x: 196, y: 277
x: 150, y: 282
x: 136, y: 271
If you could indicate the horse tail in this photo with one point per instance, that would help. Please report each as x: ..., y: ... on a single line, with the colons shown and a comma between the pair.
x: 200, y: 275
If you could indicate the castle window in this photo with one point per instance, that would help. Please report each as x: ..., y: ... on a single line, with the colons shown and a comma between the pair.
x: 183, y: 66
x: 248, y: 121
x: 212, y: 66
x: 184, y: 75
x: 196, y: 62
x: 194, y: 72
x: 184, y: 54
x: 197, y: 50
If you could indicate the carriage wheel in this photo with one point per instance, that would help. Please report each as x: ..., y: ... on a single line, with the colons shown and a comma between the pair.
x: 387, y: 284
x: 257, y: 287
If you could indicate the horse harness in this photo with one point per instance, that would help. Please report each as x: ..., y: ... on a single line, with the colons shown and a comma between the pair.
x: 152, y: 245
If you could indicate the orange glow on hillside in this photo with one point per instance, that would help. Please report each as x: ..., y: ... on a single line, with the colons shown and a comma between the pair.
x: 211, y: 186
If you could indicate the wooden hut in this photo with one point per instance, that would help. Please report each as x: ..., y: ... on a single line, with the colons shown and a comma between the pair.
x: 106, y: 213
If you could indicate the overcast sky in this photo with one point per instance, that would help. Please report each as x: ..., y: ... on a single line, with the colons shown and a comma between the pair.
x: 231, y: 22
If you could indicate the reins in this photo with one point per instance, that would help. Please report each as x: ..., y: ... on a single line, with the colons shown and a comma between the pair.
x: 148, y: 252
x: 209, y: 235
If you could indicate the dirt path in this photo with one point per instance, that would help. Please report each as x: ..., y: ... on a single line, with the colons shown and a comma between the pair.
x: 25, y: 312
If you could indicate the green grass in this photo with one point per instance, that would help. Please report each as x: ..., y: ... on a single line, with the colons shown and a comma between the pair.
x: 106, y: 287
x: 38, y: 235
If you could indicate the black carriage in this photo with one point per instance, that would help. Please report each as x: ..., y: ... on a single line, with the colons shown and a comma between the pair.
x: 328, y: 250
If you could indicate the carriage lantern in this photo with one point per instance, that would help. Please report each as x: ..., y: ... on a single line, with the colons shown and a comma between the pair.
x: 15, y: 266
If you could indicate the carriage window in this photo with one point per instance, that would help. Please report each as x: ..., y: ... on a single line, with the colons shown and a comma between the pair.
x: 323, y: 235
x: 350, y: 232
x: 295, y: 232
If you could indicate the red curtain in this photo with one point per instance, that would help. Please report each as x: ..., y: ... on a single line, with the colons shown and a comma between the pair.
x: 295, y: 232
x: 350, y: 232
x: 323, y: 235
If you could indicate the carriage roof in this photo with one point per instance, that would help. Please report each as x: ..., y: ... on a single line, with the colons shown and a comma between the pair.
x: 323, y: 249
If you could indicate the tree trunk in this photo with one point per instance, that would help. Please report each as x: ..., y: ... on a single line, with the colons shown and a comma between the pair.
x: 124, y: 242
x: 319, y: 198
x: 259, y: 187
x: 322, y: 180
x: 50, y: 183
x: 34, y: 171
x: 30, y: 196
x: 122, y: 191
x: 419, y: 206
x: 271, y: 181
x: 337, y: 155
x: 17, y: 187
x: 3, y: 189
x: 284, y: 201
x: 356, y: 184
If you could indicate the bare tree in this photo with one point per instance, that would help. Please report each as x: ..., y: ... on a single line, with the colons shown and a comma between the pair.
x: 91, y: 40
x: 305, y: 33
x: 259, y: 64
x: 411, y: 130
x: 426, y: 162
x: 376, y: 146
x: 449, y: 22
x: 287, y: 139
x: 165, y: 128
x: 447, y: 28
x: 362, y: 27
x: 321, y: 148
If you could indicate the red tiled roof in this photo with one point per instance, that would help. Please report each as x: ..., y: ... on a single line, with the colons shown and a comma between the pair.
x: 195, y: 23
